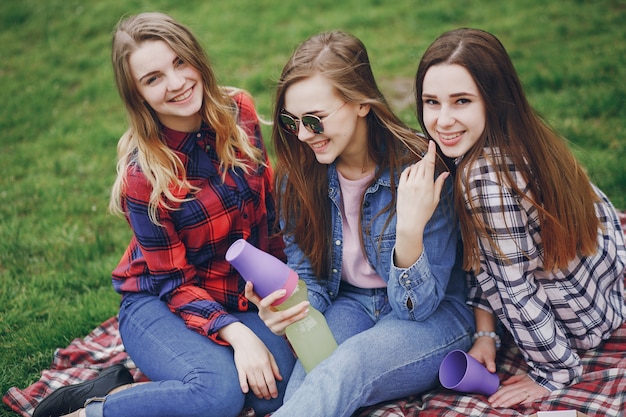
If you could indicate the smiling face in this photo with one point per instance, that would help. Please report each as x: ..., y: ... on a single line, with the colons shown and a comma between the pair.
x: 453, y: 110
x: 170, y: 86
x: 345, y: 132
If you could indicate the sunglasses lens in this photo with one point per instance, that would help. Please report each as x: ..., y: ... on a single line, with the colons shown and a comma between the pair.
x: 289, y: 124
x: 313, y: 124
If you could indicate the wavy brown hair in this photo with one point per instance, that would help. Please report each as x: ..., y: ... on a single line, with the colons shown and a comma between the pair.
x: 568, y: 220
x: 142, y: 144
x: 301, y: 182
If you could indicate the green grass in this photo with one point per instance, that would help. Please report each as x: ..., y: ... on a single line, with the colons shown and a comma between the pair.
x: 61, y: 118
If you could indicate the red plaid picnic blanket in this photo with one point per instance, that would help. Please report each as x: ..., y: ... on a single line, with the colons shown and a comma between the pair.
x: 82, y: 360
x: 600, y: 393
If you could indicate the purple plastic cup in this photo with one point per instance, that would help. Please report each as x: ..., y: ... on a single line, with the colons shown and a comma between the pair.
x: 461, y: 372
x: 267, y: 272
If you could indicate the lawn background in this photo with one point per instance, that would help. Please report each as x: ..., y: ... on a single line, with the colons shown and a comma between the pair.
x: 61, y: 118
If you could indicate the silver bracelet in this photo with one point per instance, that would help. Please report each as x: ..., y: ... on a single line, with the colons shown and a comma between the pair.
x: 492, y: 335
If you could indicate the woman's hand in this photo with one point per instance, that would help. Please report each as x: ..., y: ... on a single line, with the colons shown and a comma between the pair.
x: 418, y: 196
x: 484, y: 348
x: 275, y: 320
x: 256, y: 366
x: 484, y: 351
x: 518, y: 389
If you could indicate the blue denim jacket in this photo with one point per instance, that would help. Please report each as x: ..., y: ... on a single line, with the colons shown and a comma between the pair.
x: 436, y: 276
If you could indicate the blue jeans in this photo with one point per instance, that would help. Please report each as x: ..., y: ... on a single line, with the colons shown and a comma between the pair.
x: 192, y: 375
x: 379, y: 357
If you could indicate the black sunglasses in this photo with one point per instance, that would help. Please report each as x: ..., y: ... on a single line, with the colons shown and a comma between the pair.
x: 311, y: 122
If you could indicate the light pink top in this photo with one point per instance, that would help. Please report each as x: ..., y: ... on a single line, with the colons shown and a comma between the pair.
x: 355, y: 269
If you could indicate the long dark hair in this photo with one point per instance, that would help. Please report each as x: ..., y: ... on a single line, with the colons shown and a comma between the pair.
x: 568, y: 221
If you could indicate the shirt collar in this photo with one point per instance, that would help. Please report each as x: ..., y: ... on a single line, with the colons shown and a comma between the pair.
x: 185, y: 141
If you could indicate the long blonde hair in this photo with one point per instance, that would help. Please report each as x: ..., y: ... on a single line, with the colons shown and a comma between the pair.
x: 569, y: 224
x: 142, y: 145
x: 300, y: 181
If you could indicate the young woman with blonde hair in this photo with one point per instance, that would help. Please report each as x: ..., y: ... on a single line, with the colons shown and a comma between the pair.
x: 544, y: 244
x: 366, y: 211
x: 193, y: 177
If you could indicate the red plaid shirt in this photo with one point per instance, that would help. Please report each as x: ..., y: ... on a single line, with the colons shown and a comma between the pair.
x: 182, y: 261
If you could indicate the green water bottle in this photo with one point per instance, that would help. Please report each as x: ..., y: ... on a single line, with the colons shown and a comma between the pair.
x: 310, y: 337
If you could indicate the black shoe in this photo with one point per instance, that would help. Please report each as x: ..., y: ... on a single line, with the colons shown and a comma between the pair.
x: 72, y: 397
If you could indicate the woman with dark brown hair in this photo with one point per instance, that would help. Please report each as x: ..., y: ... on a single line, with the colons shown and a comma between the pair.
x: 544, y: 244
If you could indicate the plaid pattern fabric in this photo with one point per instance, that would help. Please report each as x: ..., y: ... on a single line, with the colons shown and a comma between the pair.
x: 82, y: 360
x: 601, y: 392
x: 183, y: 259
x: 530, y: 300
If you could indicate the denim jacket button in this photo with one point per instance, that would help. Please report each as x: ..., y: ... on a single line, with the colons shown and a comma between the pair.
x: 337, y: 242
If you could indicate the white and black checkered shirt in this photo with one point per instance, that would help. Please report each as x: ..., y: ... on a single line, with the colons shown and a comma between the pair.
x: 551, y: 315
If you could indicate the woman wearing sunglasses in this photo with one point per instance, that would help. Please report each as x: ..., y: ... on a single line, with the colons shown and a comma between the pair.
x: 367, y: 230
